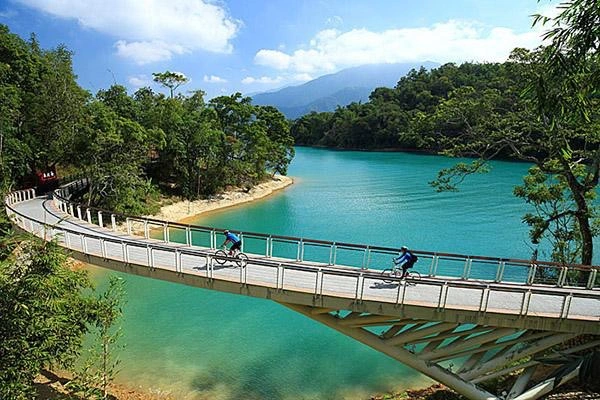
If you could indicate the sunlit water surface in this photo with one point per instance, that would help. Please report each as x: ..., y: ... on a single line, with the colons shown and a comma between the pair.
x: 199, y: 344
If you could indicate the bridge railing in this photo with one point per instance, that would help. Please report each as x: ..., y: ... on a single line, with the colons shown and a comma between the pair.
x: 329, y: 253
x: 353, y: 283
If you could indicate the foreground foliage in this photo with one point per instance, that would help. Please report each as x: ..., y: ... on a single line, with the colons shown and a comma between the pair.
x: 46, y: 308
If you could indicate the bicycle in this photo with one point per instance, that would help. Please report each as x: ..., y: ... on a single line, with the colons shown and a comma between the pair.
x: 221, y: 256
x: 394, y: 274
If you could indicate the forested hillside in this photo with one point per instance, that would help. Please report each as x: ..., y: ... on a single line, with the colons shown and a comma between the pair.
x: 412, y: 115
x: 130, y: 146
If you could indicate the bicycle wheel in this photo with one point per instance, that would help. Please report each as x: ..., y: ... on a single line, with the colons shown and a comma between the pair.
x: 412, y: 277
x: 220, y: 257
x: 415, y: 275
x: 388, y: 275
x: 241, y: 260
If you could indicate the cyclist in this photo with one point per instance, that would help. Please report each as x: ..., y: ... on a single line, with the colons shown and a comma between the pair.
x: 406, y: 260
x: 233, y: 238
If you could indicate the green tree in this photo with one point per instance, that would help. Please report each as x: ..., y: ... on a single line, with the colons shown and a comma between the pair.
x: 555, y: 126
x: 171, y: 80
x: 280, y: 150
x: 41, y: 106
x: 111, y: 152
x: 100, y: 365
x: 44, y: 313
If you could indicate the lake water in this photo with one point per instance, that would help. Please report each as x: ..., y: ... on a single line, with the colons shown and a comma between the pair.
x: 200, y: 344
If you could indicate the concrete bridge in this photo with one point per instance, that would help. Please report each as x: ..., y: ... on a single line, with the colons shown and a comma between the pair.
x: 470, y: 319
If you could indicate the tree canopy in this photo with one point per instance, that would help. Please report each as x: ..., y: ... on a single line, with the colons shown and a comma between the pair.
x: 131, y: 147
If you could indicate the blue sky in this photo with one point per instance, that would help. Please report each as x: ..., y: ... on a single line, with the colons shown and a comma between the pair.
x: 259, y: 45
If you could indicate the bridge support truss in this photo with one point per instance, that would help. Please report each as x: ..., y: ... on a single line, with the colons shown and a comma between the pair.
x: 460, y: 356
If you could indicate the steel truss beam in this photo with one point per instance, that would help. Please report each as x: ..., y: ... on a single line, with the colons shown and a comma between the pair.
x: 488, y: 349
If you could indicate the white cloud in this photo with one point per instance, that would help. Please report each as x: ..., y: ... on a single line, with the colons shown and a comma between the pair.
x: 273, y: 58
x: 452, y: 41
x: 156, y: 29
x: 214, y: 79
x: 138, y: 81
x: 263, y: 80
x: 303, y: 77
x: 147, y: 52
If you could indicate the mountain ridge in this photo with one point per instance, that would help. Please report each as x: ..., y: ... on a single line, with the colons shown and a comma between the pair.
x: 327, y: 92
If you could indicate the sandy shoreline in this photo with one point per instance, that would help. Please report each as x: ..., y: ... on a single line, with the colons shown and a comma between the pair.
x: 184, y: 211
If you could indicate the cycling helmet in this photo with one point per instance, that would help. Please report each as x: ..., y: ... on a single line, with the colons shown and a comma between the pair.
x: 226, y: 231
x: 403, y: 248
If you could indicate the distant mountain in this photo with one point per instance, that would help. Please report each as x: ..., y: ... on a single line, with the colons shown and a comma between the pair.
x: 344, y: 87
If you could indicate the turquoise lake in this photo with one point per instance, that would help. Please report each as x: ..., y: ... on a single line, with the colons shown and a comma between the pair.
x: 200, y: 344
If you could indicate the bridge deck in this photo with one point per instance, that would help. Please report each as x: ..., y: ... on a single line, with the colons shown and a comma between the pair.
x: 453, y: 296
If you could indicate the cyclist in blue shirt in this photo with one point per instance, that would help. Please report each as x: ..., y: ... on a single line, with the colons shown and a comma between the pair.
x: 233, y: 238
x: 406, y: 260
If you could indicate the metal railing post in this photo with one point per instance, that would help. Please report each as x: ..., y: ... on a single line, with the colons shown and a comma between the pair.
x: 592, y: 279
x: 434, y: 265
x: 467, y: 268
x: 562, y: 277
x: 500, y: 271
x: 366, y: 258
x: 100, y: 222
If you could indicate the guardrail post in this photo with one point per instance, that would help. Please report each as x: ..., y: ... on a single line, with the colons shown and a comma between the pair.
x: 128, y: 222
x: 242, y: 239
x: 79, y: 212
x: 100, y: 222
x: 213, y: 239
x: 592, y: 279
x: 177, y: 261
x: 300, y: 250
x: 166, y: 232
x: 562, y: 277
x: 531, y: 273
x: 500, y: 271
x: 467, y: 268
x: 434, y: 265
x: 88, y: 215
x: 188, y: 236
x: 267, y: 246
x: 332, y: 254
x: 366, y: 258
x: 113, y: 222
